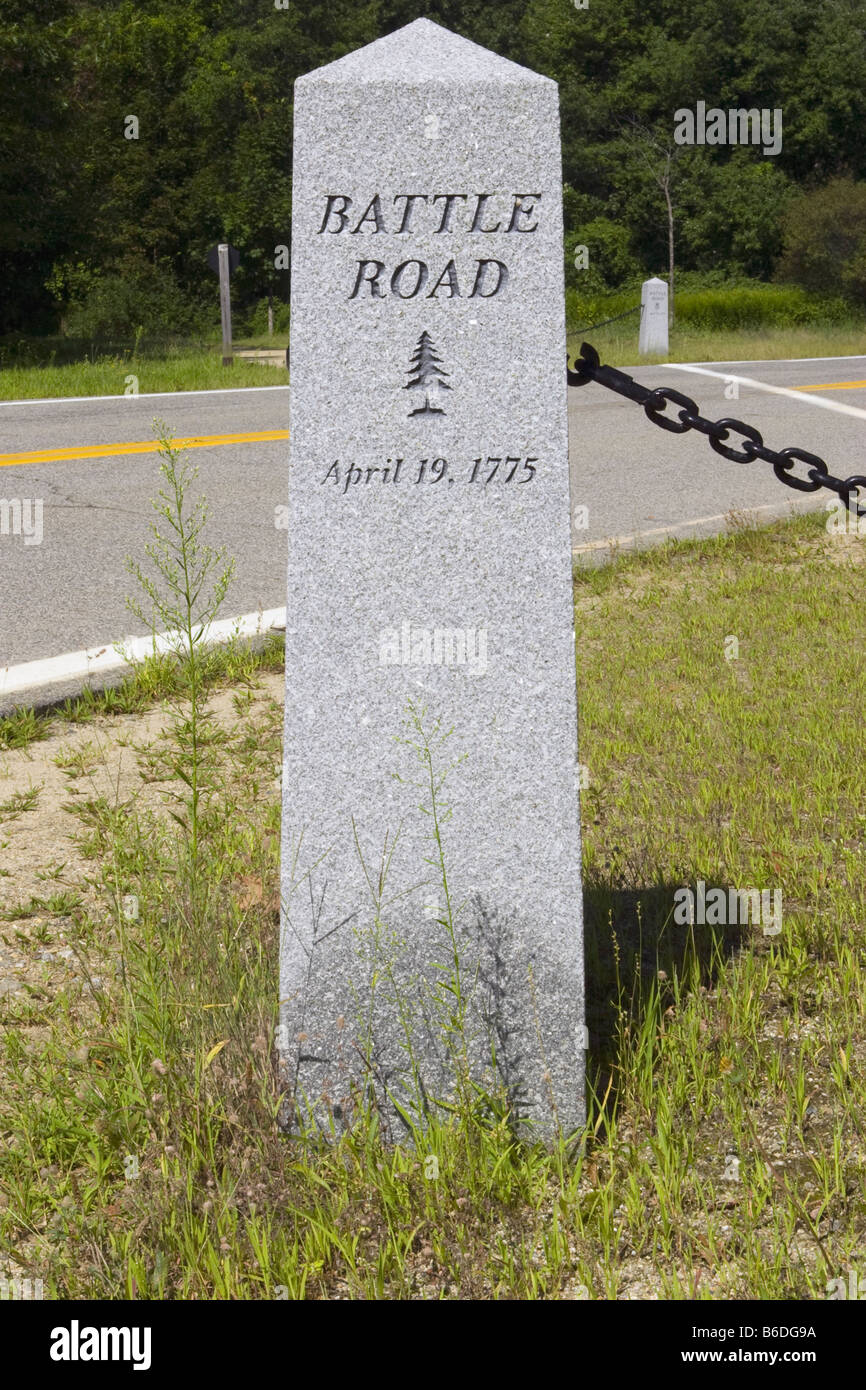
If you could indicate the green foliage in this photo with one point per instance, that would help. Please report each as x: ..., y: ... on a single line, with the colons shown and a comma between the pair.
x: 108, y: 230
x: 611, y: 260
x: 585, y: 308
x: 39, y: 214
x: 129, y: 299
x: 181, y: 599
x: 145, y: 1152
x: 21, y: 728
x: 825, y: 240
x: 760, y: 306
x: 731, y: 216
x: 739, y: 306
x: 255, y: 322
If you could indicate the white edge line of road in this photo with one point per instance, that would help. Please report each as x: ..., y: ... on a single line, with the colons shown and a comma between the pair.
x: 230, y: 390
x: 32, y: 676
x: 779, y: 509
x: 761, y: 361
x: 756, y: 385
x: 144, y: 395
x: 55, y: 670
x: 35, y: 675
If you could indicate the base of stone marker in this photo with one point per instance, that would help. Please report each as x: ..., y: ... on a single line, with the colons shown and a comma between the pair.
x: 424, y: 1045
x: 430, y: 998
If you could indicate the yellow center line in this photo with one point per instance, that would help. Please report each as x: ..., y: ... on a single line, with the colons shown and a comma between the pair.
x: 210, y: 441
x: 143, y: 446
x: 832, y: 386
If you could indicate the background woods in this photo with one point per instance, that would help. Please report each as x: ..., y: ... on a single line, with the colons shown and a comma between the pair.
x: 105, y: 223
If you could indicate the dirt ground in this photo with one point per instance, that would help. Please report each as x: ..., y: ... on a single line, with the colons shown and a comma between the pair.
x: 42, y: 869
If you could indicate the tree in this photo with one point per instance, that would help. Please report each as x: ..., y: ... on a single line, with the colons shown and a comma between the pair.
x: 825, y: 240
x: 658, y: 153
x: 38, y: 205
x: 730, y: 215
x: 426, y: 373
x: 210, y: 82
x: 612, y: 261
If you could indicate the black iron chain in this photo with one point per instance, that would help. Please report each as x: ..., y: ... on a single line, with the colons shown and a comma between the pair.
x: 588, y: 367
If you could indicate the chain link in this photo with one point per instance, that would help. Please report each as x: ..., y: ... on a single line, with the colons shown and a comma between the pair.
x: 750, y: 446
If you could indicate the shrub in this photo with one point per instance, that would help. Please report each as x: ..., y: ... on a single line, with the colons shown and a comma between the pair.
x: 757, y: 306
x: 825, y: 240
x: 721, y: 307
x: 611, y: 259
x: 254, y: 321
x: 583, y: 309
x: 132, y: 295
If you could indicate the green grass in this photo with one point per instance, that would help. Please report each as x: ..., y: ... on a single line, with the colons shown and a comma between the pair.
x: 21, y: 728
x: 18, y: 803
x: 108, y: 376
x: 731, y: 322
x: 617, y: 344
x: 156, y: 679
x: 725, y: 1154
x: 57, y: 905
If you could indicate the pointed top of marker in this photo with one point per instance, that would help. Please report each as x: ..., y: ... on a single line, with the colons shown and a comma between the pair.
x: 423, y: 52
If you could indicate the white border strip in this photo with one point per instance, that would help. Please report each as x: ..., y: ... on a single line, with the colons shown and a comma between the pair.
x: 778, y: 509
x: 143, y: 395
x: 765, y: 361
x: 55, y: 670
x: 248, y: 390
x: 788, y: 391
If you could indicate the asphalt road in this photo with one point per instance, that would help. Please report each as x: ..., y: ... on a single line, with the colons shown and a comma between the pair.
x: 635, y: 480
x: 638, y: 479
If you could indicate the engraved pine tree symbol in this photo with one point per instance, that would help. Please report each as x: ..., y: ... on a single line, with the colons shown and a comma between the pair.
x: 426, y: 374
